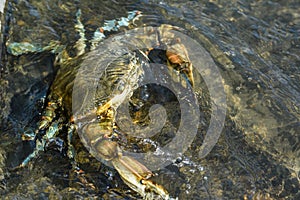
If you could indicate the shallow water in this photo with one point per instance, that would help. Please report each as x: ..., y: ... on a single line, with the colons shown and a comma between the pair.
x: 256, y: 46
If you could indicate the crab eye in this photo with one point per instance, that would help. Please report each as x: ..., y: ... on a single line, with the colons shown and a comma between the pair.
x: 121, y: 86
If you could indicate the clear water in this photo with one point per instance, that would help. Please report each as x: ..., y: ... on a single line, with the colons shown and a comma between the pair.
x: 256, y: 47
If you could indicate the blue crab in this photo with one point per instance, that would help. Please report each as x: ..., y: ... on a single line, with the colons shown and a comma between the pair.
x: 99, y: 125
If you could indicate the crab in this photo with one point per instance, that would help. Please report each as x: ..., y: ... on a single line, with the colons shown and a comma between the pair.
x: 98, y: 124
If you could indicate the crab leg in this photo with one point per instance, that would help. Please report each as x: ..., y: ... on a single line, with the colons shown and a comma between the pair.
x: 45, y: 122
x: 134, y: 173
x: 181, y: 63
x: 136, y: 176
x: 40, y: 144
x: 178, y: 58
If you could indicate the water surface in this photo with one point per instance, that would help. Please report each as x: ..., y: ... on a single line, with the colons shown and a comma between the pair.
x: 255, y: 44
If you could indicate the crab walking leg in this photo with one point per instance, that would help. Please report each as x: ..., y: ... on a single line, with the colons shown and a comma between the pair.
x: 109, y: 25
x: 80, y: 44
x: 40, y: 144
x: 114, y: 25
x: 45, y: 121
x: 71, y: 150
x: 76, y: 172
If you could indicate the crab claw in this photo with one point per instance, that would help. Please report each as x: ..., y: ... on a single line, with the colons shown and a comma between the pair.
x: 136, y: 176
x: 182, y: 64
x: 178, y: 58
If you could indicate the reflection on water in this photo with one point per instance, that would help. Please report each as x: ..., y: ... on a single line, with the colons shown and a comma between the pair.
x: 256, y: 47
